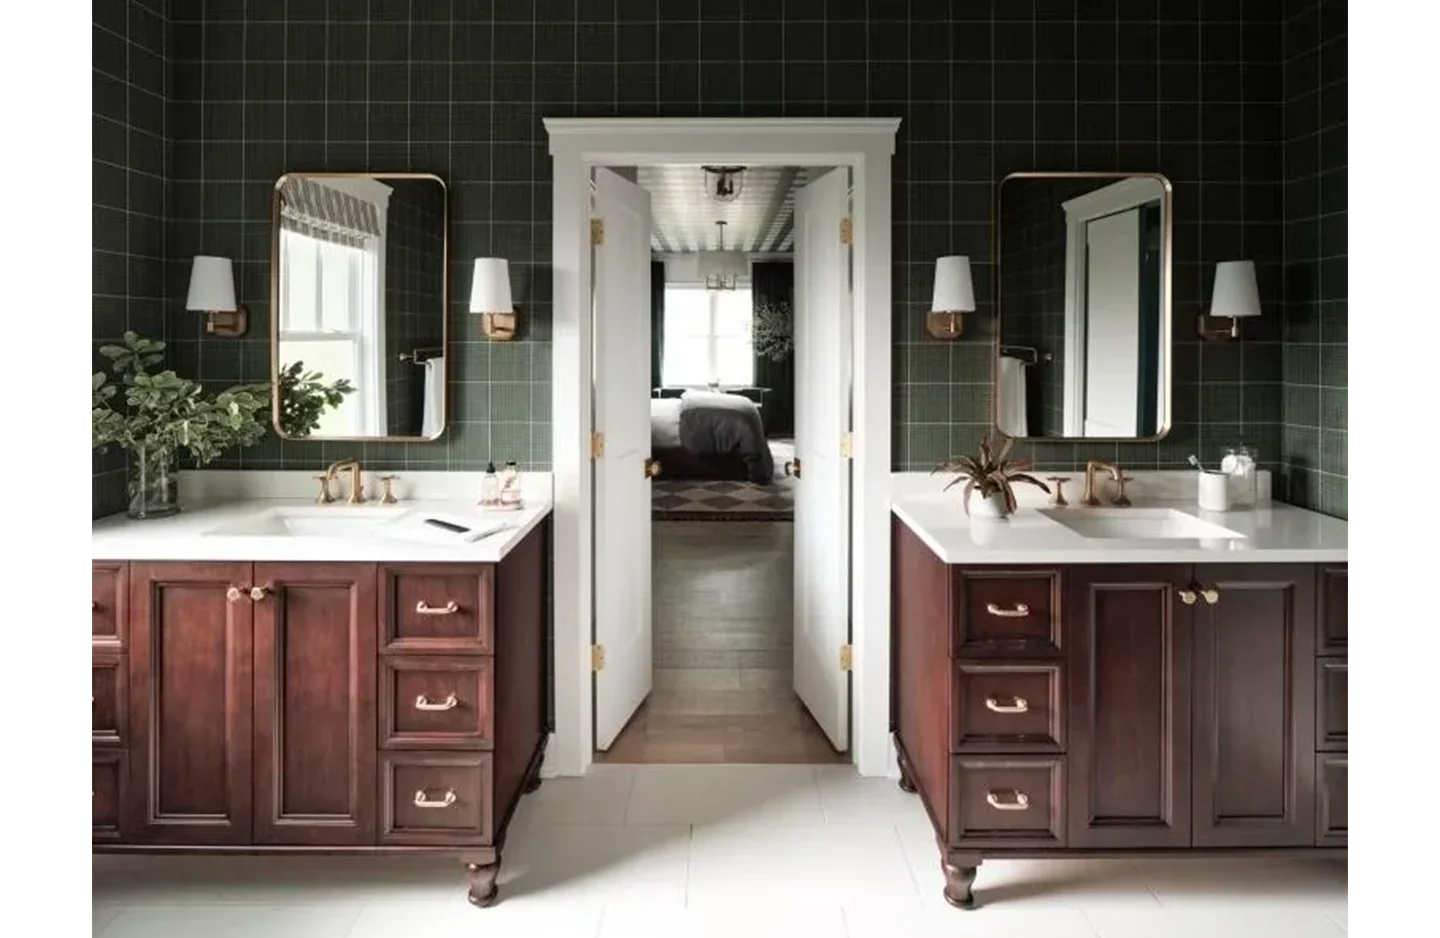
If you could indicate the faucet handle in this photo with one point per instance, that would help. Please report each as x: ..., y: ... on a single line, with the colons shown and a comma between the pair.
x: 388, y: 497
x: 1120, y: 498
x: 1057, y: 497
x: 326, y: 496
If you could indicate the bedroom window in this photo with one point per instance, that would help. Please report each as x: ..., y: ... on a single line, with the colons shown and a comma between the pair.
x: 707, y: 337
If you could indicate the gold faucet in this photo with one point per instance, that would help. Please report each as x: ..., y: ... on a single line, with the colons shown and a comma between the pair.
x: 357, y: 489
x: 1089, y: 497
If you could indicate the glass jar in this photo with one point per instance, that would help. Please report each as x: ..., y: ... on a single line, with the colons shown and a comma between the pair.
x: 152, y: 487
x: 1242, y: 464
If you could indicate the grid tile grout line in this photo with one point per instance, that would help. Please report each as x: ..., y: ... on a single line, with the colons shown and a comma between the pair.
x: 982, y: 89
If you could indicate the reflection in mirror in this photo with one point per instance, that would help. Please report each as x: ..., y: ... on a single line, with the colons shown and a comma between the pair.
x: 1084, y: 306
x: 358, y: 294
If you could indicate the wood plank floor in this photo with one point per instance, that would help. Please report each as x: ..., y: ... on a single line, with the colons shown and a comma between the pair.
x: 723, y: 644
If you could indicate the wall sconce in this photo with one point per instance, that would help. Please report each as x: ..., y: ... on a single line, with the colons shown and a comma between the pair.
x: 212, y: 291
x: 954, y: 294
x: 1235, y: 297
x: 490, y: 297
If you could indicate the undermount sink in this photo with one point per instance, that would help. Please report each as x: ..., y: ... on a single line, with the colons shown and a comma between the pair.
x: 331, y: 521
x: 1137, y: 524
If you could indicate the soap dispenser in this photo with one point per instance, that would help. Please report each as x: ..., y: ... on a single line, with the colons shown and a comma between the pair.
x: 489, y: 488
x: 510, y: 487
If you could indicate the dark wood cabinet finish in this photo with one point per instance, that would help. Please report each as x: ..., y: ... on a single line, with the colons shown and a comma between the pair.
x: 314, y: 748
x: 1167, y: 708
x: 191, y: 681
x: 272, y: 707
x: 1254, y: 710
x: 1129, y: 706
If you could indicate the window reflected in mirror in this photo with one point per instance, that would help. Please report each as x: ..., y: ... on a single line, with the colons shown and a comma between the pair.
x: 1084, y: 306
x: 358, y: 334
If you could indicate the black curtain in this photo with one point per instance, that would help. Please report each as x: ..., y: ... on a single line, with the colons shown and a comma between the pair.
x: 657, y: 320
x: 775, y: 281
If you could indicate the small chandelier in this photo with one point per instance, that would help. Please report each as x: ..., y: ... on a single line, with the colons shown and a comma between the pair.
x: 724, y: 183
x: 722, y: 269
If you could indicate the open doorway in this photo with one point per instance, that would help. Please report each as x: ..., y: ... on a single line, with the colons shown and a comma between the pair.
x: 723, y: 471
x: 603, y: 621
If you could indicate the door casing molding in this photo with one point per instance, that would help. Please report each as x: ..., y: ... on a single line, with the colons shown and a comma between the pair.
x: 577, y: 145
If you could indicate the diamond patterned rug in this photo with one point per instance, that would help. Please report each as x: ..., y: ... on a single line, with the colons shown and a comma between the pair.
x: 686, y: 500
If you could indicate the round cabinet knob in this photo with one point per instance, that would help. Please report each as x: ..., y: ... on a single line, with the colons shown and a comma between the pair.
x: 233, y: 594
x: 257, y: 593
x: 1188, y: 597
x: 1212, y: 596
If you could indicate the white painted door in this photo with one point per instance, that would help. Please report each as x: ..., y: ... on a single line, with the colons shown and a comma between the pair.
x: 622, y: 488
x: 822, y: 417
x: 1112, y: 320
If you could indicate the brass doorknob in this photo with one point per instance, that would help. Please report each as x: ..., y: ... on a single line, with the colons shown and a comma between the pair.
x: 1188, y: 597
x: 1212, y: 596
x: 792, y: 467
x: 233, y: 594
x: 257, y: 593
x: 652, y: 468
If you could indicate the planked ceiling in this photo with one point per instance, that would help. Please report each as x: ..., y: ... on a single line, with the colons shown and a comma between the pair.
x: 761, y: 220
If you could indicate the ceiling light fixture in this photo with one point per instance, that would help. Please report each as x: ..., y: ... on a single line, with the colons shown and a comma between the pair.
x: 724, y: 183
x: 722, y: 269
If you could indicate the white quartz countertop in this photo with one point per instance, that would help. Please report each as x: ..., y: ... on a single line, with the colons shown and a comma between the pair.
x: 188, y: 535
x: 1276, y: 533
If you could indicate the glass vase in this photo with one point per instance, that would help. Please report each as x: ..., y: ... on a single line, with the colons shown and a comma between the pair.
x: 153, y: 492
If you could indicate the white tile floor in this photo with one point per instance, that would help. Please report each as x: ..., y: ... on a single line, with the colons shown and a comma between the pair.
x: 679, y: 850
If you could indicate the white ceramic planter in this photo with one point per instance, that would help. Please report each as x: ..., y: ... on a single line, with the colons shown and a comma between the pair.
x: 990, y: 507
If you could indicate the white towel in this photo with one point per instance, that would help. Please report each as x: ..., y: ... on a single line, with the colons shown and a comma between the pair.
x: 434, y: 416
x: 1011, y: 406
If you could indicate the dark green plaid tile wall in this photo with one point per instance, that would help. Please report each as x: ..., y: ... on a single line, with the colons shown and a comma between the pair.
x: 458, y: 87
x: 129, y: 101
x: 1315, y: 437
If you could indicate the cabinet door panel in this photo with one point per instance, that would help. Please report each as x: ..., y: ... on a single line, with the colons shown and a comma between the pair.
x: 1254, y: 724
x: 1332, y: 815
x: 1129, y: 706
x: 315, y: 704
x: 109, y: 609
x: 1332, y: 704
x: 1334, y: 617
x: 108, y: 677
x: 190, y: 697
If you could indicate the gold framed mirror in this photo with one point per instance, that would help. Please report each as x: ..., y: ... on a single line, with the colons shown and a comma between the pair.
x: 1083, y: 343
x: 359, y: 296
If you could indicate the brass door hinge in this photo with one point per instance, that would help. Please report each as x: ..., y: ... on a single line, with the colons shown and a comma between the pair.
x: 597, y: 231
x: 847, y: 230
x: 597, y: 657
x: 846, y: 658
x: 847, y: 445
x: 597, y: 445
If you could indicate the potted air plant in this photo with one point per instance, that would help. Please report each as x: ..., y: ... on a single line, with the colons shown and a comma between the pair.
x: 992, y: 476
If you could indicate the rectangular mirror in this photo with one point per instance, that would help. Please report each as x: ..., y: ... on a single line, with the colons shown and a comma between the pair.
x: 1084, y: 306
x: 358, y: 297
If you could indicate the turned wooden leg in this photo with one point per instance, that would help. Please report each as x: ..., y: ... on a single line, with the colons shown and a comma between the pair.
x: 958, y: 880
x: 533, y: 785
x: 482, y: 883
x: 907, y: 781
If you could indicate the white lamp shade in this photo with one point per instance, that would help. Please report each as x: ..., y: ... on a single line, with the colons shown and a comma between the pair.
x: 954, y: 291
x: 212, y: 285
x: 1235, y: 296
x: 490, y: 288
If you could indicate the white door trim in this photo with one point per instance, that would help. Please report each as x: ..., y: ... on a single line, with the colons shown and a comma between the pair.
x: 576, y: 146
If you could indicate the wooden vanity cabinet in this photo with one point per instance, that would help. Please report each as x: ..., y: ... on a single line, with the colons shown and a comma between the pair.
x: 332, y: 707
x: 1183, y: 707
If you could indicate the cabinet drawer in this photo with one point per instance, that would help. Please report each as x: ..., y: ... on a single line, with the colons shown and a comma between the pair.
x: 1334, y: 618
x: 108, y: 591
x: 1013, y: 801
x: 107, y: 699
x: 1332, y: 804
x: 1332, y: 704
x: 107, y: 770
x: 428, y: 608
x: 437, y: 798
x: 1007, y: 612
x: 1008, y: 707
x: 437, y: 703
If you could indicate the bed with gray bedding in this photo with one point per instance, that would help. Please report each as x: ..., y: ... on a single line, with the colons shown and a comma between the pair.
x: 710, y: 435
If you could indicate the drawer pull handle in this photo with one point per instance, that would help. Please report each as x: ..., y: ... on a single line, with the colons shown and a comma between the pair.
x: 1016, y: 705
x: 422, y: 802
x: 449, y: 703
x: 1019, y: 612
x: 1020, y: 801
x: 425, y: 609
